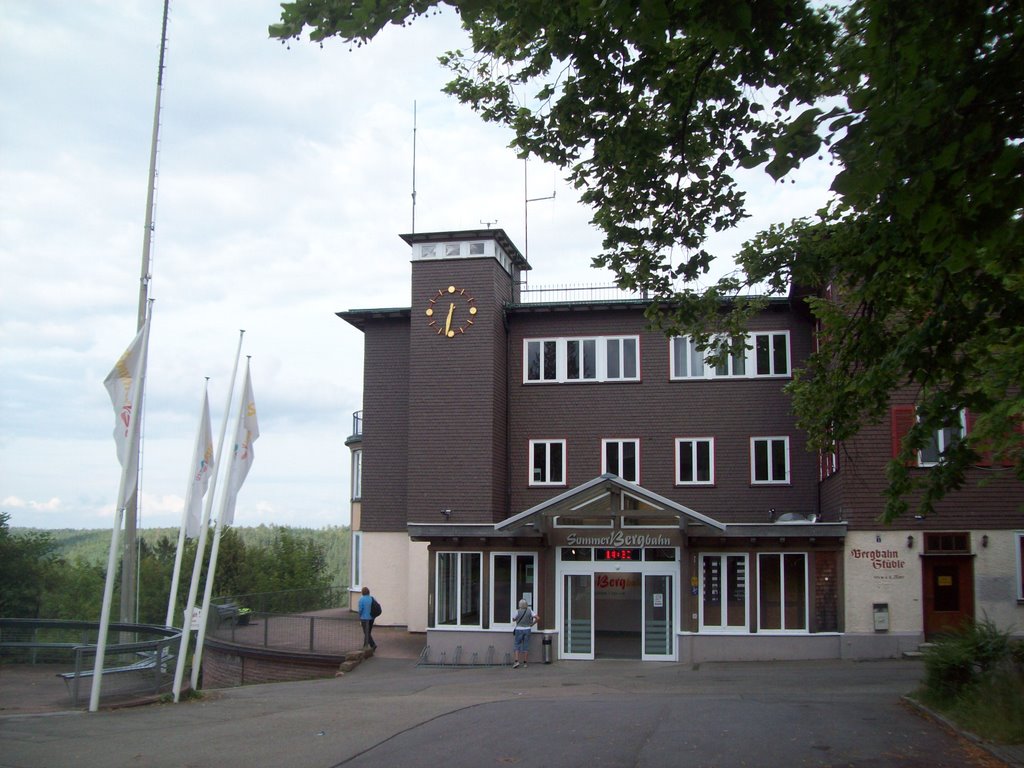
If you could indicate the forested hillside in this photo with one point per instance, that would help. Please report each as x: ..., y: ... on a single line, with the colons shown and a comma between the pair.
x: 93, y: 545
x: 60, y: 574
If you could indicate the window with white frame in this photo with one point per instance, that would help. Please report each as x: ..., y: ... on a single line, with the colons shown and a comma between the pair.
x: 771, y: 353
x: 941, y: 440
x: 458, y: 589
x: 734, y: 363
x: 622, y: 458
x: 904, y: 417
x: 687, y: 362
x: 581, y: 359
x: 782, y: 591
x: 541, y: 360
x: 594, y: 359
x: 357, y: 559
x: 357, y: 475
x: 695, y: 461
x: 547, y: 462
x: 762, y: 354
x: 513, y: 578
x: 723, y: 603
x: 769, y: 460
x: 622, y: 359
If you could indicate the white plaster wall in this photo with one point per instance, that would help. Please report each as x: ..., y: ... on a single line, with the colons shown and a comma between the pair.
x: 417, y: 585
x: 995, y: 580
x: 386, y: 566
x: 868, y: 581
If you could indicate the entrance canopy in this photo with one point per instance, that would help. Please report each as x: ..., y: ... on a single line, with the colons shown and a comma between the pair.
x: 603, y: 497
x: 607, y: 497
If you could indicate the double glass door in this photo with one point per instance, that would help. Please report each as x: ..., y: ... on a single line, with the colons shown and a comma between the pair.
x: 618, y: 614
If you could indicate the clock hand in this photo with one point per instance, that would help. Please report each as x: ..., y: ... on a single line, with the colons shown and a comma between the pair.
x: 448, y: 321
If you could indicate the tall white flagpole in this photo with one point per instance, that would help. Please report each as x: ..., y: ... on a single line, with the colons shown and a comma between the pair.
x: 194, y: 467
x: 211, y: 572
x: 129, y: 581
x: 197, y: 566
x: 126, y: 469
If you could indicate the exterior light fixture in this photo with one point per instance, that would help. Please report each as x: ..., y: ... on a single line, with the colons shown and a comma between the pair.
x: 984, y: 540
x: 910, y: 541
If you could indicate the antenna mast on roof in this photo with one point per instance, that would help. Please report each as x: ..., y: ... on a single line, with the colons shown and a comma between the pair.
x: 414, y: 167
x: 526, y: 212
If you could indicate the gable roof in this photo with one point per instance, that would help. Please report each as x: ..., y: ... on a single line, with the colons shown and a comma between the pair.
x: 606, y: 486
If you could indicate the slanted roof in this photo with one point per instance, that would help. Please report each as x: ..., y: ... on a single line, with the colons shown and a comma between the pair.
x: 605, y: 486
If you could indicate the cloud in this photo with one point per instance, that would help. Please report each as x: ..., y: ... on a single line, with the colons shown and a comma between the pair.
x: 13, y: 502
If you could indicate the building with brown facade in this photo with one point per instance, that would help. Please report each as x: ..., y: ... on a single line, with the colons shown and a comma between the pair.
x: 647, y: 504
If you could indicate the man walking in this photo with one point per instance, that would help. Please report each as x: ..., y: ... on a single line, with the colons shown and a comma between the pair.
x: 366, y: 618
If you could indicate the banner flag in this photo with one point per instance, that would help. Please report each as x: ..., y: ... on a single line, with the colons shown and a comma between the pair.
x: 245, y: 435
x: 122, y: 383
x: 201, y: 472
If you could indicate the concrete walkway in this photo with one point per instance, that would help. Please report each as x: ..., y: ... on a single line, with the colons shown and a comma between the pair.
x: 390, y: 712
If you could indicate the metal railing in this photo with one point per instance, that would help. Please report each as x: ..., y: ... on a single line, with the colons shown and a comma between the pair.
x: 357, y: 424
x: 289, y: 600
x: 137, y: 656
x: 290, y: 620
x: 328, y: 635
x: 570, y: 293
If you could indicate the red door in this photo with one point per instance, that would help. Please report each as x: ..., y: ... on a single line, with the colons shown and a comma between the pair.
x: 948, y: 593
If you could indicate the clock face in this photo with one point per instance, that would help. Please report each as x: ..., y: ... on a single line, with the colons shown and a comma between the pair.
x: 451, y: 311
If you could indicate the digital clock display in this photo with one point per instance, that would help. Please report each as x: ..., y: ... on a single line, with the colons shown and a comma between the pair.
x: 618, y: 554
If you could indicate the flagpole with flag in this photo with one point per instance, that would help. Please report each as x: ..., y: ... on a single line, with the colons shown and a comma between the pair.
x: 125, y: 383
x: 246, y: 432
x: 198, y: 480
x: 197, y: 566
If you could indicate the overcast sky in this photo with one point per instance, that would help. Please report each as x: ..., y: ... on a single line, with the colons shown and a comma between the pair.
x: 285, y: 178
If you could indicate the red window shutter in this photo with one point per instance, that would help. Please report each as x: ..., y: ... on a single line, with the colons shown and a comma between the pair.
x: 984, y: 455
x: 903, y: 418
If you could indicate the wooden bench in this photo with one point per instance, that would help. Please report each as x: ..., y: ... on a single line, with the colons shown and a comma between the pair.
x: 232, y: 612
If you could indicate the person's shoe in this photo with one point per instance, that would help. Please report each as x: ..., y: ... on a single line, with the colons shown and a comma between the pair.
x: 515, y: 665
x: 524, y: 665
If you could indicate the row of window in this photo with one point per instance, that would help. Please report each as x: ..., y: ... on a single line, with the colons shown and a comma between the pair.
x: 694, y: 460
x: 781, y: 599
x: 459, y: 587
x: 617, y: 358
x: 781, y: 590
x: 723, y: 603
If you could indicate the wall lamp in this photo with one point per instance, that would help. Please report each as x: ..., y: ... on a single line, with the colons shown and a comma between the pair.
x: 984, y: 540
x: 910, y: 541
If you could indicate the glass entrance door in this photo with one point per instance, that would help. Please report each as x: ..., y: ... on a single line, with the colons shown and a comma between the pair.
x: 658, y: 620
x: 578, y: 616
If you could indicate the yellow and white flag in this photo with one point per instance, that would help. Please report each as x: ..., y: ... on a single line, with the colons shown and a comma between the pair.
x: 124, y: 383
x: 245, y: 435
x: 202, y: 469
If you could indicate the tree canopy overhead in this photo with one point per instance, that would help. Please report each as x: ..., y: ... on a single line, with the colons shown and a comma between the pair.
x: 652, y: 108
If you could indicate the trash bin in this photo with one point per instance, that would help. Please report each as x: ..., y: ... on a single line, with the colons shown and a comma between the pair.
x: 545, y: 645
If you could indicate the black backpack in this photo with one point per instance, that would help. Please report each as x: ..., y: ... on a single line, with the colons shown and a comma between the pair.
x: 375, y: 608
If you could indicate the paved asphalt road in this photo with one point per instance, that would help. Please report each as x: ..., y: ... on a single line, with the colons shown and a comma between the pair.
x: 388, y: 712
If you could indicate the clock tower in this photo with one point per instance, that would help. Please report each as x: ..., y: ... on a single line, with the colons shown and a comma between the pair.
x: 458, y: 374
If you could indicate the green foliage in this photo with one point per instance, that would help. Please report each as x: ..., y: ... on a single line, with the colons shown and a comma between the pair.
x: 61, y: 574
x: 976, y: 676
x: 653, y: 109
x: 27, y: 564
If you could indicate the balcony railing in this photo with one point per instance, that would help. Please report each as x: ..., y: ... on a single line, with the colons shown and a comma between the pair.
x: 357, y: 424
x: 561, y: 294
